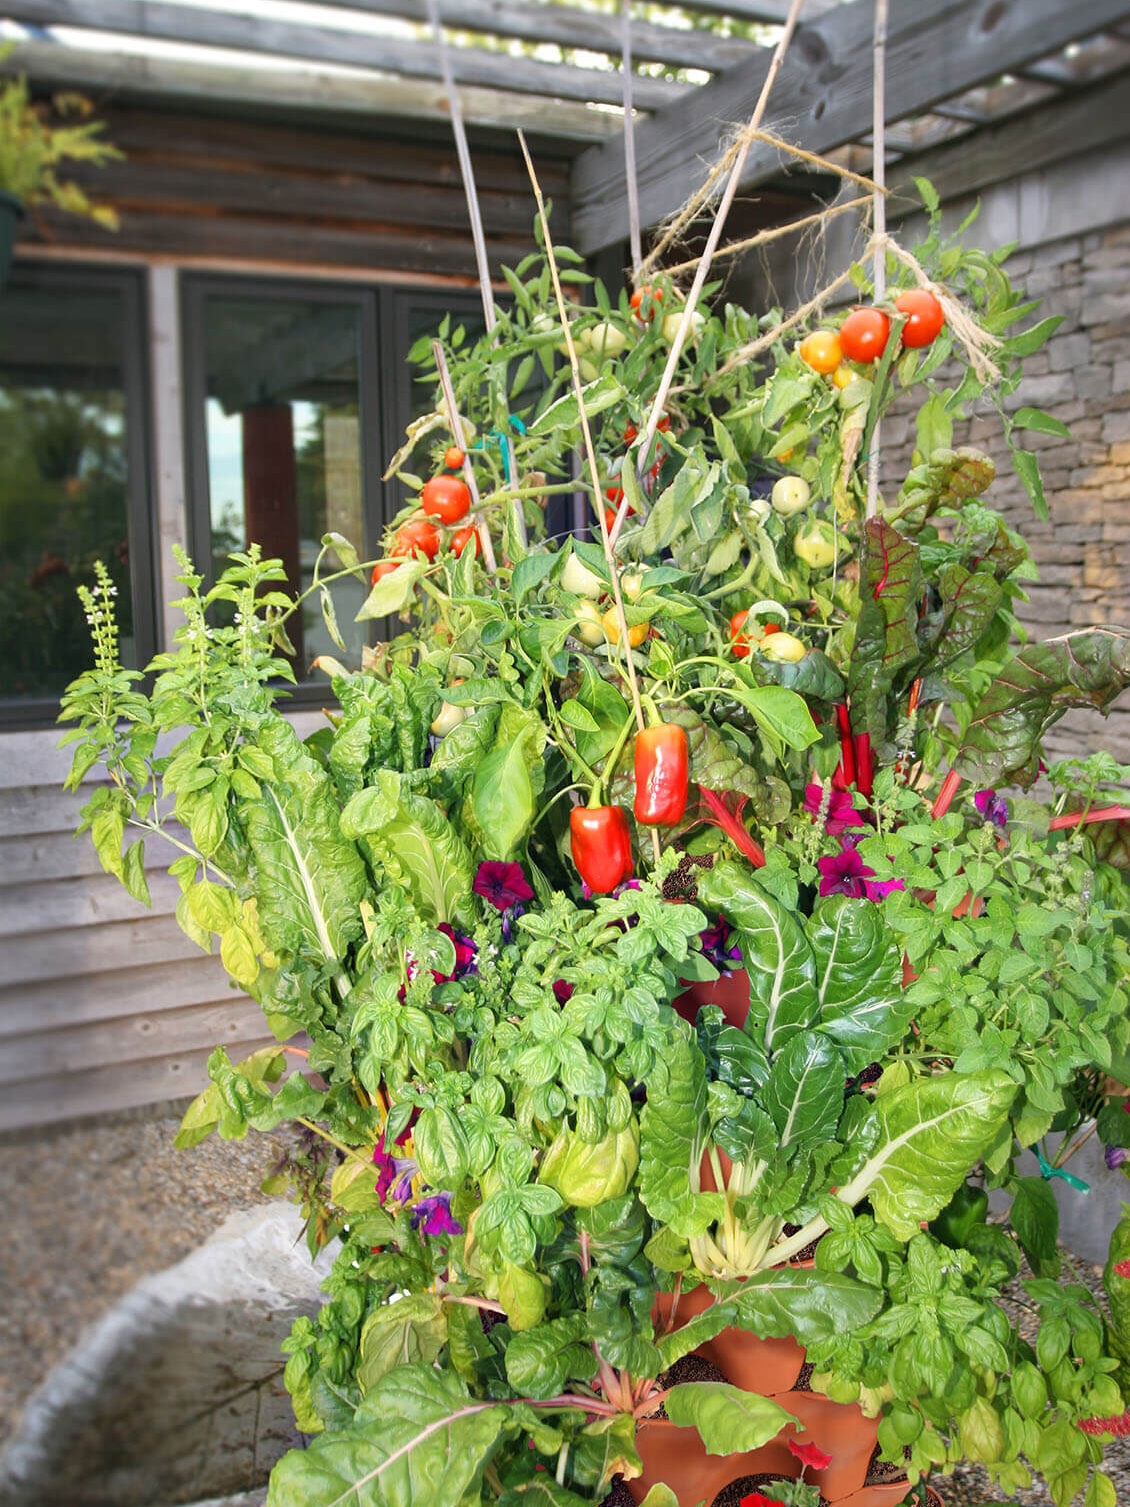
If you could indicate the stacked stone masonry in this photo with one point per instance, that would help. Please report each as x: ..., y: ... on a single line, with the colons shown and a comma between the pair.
x: 1082, y: 377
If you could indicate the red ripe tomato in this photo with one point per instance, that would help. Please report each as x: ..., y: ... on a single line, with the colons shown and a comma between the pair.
x: 414, y: 536
x: 739, y: 641
x: 863, y: 335
x: 924, y: 317
x: 453, y: 457
x: 383, y: 568
x: 645, y: 302
x: 446, y: 498
x: 464, y: 537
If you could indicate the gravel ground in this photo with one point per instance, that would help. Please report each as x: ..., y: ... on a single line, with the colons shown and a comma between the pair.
x: 90, y: 1210
x: 93, y: 1208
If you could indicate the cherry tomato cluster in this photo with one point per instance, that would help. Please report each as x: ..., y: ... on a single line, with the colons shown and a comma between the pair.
x: 447, y: 499
x: 769, y: 639
x: 862, y: 337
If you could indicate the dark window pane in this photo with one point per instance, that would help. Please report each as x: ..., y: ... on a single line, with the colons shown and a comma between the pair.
x: 283, y: 435
x: 63, y: 481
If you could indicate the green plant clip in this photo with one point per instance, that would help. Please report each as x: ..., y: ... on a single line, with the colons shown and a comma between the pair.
x: 1047, y: 1172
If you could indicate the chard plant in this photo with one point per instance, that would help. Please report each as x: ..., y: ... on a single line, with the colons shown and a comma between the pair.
x: 752, y: 735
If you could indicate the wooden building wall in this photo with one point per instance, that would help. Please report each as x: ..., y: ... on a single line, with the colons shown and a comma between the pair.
x: 202, y: 186
x: 104, y: 1005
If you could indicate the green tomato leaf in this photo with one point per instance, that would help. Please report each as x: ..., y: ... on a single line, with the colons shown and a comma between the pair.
x: 393, y: 591
x: 596, y: 396
x: 1035, y: 1218
x: 727, y: 1418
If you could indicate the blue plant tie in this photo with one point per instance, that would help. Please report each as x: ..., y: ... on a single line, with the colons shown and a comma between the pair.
x: 1047, y: 1172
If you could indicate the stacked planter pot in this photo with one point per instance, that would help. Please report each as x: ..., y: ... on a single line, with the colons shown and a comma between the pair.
x: 770, y: 1367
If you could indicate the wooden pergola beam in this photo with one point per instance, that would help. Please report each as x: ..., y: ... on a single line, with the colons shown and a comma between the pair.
x: 822, y: 98
x: 317, y: 92
x: 569, y: 26
x: 159, y: 21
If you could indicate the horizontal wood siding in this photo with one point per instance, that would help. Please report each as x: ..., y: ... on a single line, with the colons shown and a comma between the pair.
x: 103, y: 1004
x: 197, y: 187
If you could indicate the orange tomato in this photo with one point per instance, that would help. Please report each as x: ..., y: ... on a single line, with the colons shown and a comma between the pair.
x: 446, y: 498
x: 821, y: 350
x: 453, y: 457
x: 653, y: 297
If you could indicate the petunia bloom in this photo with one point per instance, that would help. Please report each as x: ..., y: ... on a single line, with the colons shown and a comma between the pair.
x: 432, y: 1216
x: 759, y: 1499
x: 717, y: 949
x: 845, y: 873
x: 1114, y: 1156
x: 809, y: 1454
x: 502, y: 884
x: 465, y: 953
x: 993, y: 807
x: 838, y: 806
x: 562, y: 991
x: 394, y: 1173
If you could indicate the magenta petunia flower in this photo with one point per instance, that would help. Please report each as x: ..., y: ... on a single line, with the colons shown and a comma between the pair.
x: 394, y: 1173
x: 993, y: 807
x: 502, y: 884
x: 562, y: 991
x: 809, y: 1454
x: 432, y: 1216
x: 465, y: 954
x: 845, y: 873
x: 759, y: 1499
x: 841, y: 812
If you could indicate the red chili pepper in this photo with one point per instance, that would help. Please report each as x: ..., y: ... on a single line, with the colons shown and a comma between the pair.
x: 601, y: 846
x: 661, y: 775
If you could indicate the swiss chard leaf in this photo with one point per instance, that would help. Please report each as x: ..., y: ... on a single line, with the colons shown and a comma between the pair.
x: 412, y: 1329
x: 310, y: 879
x: 415, y: 844
x: 931, y: 1131
x: 862, y: 1004
x: 727, y: 1418
x: 886, y: 636
x: 805, y: 1090
x: 1031, y: 692
x: 417, y: 1437
x: 778, y: 959
x: 672, y: 1140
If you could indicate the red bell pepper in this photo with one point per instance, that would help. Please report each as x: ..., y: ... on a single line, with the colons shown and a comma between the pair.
x: 661, y: 775
x: 601, y: 845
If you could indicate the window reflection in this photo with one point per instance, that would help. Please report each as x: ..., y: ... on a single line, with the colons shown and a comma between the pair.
x: 63, y: 482
x: 283, y: 435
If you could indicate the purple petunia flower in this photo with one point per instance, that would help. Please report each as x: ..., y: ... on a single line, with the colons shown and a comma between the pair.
x: 1114, y: 1156
x: 394, y: 1173
x: 841, y: 813
x: 432, y: 1216
x: 716, y: 948
x: 502, y: 884
x: 465, y: 954
x: 845, y: 873
x: 993, y: 807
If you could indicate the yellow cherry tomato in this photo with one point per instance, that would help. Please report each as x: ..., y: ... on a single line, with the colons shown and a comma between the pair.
x: 821, y: 350
x: 844, y: 375
x: 783, y: 647
x: 637, y: 632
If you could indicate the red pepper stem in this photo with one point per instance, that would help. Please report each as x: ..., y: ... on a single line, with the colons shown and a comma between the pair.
x: 615, y: 752
x: 654, y: 719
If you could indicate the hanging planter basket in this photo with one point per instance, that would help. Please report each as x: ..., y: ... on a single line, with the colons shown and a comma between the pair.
x: 11, y: 213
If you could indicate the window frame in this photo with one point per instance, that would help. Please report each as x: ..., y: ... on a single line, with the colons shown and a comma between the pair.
x: 130, y: 284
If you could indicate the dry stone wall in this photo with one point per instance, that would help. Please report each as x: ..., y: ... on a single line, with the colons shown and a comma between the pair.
x: 1082, y: 377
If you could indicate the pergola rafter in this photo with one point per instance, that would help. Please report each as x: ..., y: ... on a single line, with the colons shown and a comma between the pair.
x: 823, y: 96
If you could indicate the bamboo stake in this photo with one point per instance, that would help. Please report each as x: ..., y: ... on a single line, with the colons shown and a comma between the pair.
x: 878, y: 214
x: 648, y: 439
x: 456, y: 426
x: 478, y: 234
x: 590, y: 455
x: 630, y: 140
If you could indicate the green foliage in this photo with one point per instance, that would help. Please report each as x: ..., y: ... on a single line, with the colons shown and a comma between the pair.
x: 533, y: 1145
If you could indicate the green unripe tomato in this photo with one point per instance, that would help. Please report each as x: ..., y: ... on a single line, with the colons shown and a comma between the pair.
x: 589, y: 628
x: 589, y: 372
x: 632, y: 583
x: 791, y: 494
x: 671, y: 323
x: 815, y: 543
x: 782, y: 647
x: 580, y: 580
x: 606, y: 340
x: 448, y: 718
